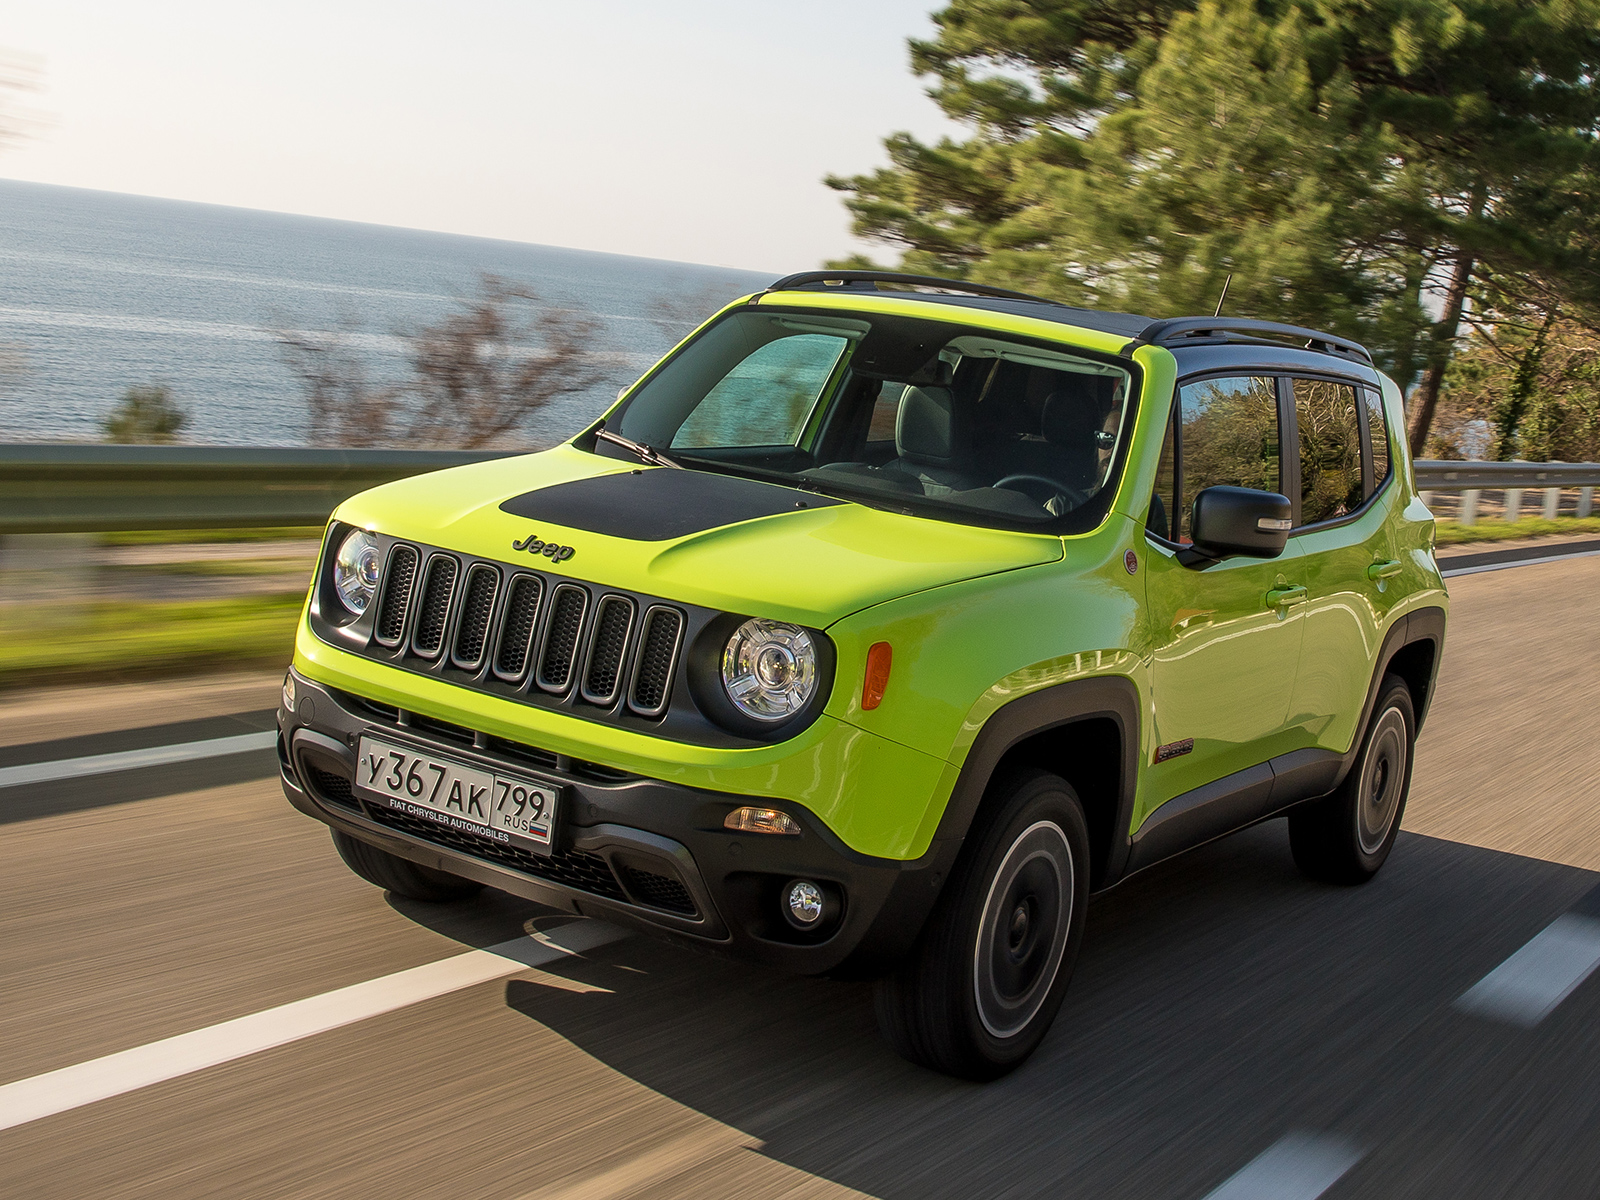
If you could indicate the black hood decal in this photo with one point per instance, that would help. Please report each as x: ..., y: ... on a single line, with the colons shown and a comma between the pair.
x: 658, y: 504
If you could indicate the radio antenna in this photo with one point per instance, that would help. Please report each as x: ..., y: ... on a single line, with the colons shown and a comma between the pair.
x: 1224, y: 295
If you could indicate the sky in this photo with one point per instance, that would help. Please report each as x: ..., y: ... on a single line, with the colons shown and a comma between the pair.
x: 698, y: 130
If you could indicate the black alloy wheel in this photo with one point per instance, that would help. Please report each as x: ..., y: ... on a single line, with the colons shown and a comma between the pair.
x: 400, y: 875
x: 1347, y: 836
x: 992, y: 966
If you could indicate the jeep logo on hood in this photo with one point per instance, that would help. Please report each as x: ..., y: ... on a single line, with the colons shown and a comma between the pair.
x: 550, y: 550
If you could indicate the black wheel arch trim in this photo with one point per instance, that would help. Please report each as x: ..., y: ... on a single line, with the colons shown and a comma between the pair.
x: 1105, y: 697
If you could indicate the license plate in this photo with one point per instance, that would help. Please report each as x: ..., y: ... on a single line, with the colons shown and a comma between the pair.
x: 493, y: 804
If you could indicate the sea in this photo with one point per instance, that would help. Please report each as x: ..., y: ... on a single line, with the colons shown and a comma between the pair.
x: 101, y: 292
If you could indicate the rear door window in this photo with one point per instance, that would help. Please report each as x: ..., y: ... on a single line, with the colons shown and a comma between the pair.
x: 1330, y: 450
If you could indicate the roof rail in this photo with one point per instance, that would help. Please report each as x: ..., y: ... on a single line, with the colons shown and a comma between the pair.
x: 846, y: 278
x: 1229, y: 329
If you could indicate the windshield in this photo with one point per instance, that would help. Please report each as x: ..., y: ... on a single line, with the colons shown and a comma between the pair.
x: 923, y: 415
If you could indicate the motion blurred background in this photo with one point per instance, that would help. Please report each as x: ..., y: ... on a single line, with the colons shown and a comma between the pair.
x: 305, y: 229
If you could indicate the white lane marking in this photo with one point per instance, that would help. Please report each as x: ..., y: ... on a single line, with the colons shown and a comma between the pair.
x: 1527, y: 986
x: 127, y: 760
x: 1298, y: 1166
x: 127, y: 1070
x: 1520, y: 562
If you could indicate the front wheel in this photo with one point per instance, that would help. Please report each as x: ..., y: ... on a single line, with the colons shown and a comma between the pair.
x: 991, y: 968
x: 1346, y: 837
x: 400, y: 875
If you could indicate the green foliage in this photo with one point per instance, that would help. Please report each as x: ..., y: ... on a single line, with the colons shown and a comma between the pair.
x: 176, y: 537
x: 128, y: 639
x: 1535, y: 379
x: 144, y: 416
x: 1336, y: 159
x: 1451, y: 534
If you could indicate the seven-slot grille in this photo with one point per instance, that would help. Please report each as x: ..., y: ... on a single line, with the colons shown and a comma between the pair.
x: 512, y: 625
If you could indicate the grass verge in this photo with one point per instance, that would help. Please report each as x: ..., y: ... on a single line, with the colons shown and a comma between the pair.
x: 1452, y: 534
x: 131, y: 640
x: 184, y: 537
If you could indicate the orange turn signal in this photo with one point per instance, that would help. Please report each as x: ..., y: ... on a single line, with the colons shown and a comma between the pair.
x: 761, y: 820
x: 879, y: 660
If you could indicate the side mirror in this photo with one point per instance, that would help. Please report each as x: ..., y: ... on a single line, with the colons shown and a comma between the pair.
x: 1235, y: 520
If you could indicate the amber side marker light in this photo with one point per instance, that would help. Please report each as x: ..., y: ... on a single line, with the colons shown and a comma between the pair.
x: 761, y: 820
x: 879, y: 659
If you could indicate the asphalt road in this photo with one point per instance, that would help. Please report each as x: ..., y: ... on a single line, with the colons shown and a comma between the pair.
x: 1227, y: 1014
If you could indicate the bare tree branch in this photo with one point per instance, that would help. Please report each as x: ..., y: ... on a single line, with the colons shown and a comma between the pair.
x: 479, y: 376
x: 482, y: 373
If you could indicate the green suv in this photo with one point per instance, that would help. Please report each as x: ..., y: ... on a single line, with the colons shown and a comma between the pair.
x: 875, y: 629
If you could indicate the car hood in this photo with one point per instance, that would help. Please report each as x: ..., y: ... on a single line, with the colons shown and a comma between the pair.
x: 701, y: 538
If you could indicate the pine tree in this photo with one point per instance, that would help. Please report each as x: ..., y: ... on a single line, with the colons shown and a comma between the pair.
x: 1355, y: 166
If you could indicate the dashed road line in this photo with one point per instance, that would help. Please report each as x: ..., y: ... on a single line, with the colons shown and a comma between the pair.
x: 129, y: 760
x: 1298, y: 1166
x: 1529, y: 985
x: 128, y: 1070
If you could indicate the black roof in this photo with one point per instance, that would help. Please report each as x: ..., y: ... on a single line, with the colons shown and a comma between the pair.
x: 1171, y: 332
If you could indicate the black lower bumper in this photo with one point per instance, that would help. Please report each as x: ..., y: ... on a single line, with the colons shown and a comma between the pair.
x: 631, y: 850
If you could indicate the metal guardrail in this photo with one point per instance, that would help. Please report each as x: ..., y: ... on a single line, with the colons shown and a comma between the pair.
x: 91, y: 488
x: 1471, y: 479
x: 1438, y: 475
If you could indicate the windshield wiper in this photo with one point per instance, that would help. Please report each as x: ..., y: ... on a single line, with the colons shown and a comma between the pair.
x: 644, y: 453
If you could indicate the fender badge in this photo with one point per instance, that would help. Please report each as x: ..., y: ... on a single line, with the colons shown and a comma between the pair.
x: 1174, y: 749
x: 1130, y: 560
x: 552, y: 551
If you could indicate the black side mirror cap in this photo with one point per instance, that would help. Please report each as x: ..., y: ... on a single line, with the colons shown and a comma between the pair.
x: 1236, y: 520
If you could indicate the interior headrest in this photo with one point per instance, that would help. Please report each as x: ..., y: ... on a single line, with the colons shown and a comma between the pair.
x: 1069, y: 418
x: 922, y: 429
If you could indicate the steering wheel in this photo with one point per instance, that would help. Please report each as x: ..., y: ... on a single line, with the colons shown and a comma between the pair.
x: 1051, y: 486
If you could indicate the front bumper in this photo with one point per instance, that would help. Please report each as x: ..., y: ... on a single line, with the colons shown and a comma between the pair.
x: 631, y: 850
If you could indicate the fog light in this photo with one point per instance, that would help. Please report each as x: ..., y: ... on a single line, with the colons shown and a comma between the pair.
x: 288, y: 692
x: 761, y: 820
x: 803, y: 904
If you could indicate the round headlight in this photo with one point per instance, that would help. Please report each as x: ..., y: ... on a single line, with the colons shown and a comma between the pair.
x: 769, y: 669
x: 355, y: 570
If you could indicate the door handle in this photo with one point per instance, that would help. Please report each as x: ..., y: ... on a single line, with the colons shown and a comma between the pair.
x: 1385, y: 569
x: 1286, y: 597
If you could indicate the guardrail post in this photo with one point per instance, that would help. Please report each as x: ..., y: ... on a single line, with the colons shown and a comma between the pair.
x: 1552, y: 503
x: 1426, y: 498
x: 1469, y: 507
x: 1513, y: 504
x: 1585, y: 501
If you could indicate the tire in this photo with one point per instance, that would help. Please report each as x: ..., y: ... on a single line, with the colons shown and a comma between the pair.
x: 992, y: 965
x: 1345, y: 837
x: 400, y: 875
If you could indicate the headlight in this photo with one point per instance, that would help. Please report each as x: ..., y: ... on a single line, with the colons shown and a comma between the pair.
x: 769, y: 669
x: 355, y: 570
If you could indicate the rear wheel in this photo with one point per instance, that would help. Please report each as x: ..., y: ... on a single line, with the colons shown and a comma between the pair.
x: 992, y: 965
x: 1346, y: 837
x: 400, y: 875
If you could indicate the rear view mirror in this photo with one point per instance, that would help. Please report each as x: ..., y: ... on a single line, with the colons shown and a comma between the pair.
x: 1235, y: 520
